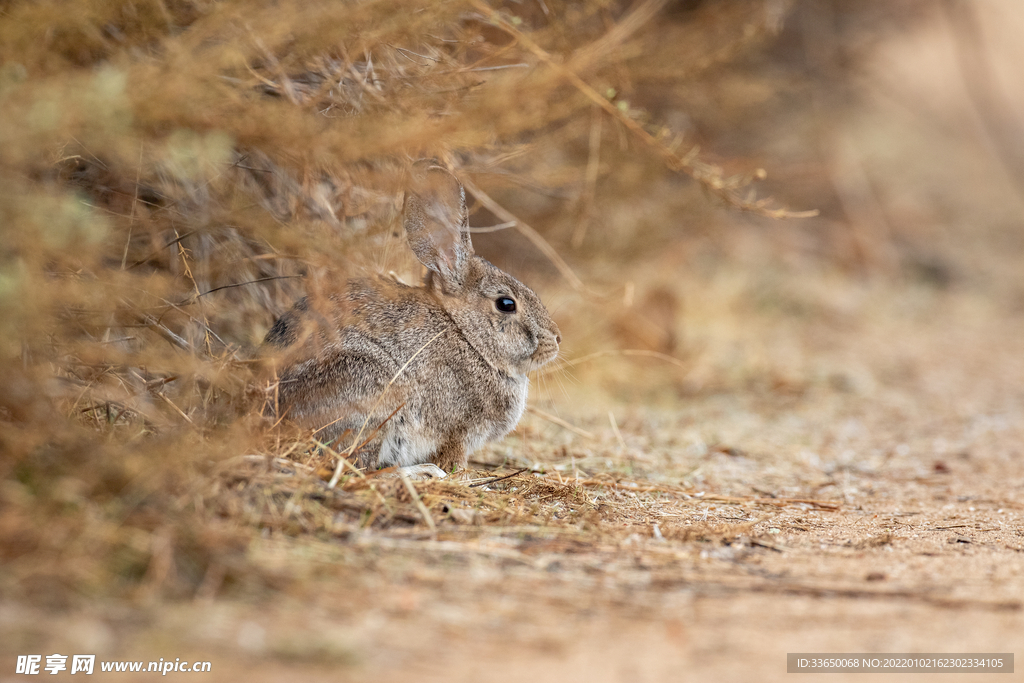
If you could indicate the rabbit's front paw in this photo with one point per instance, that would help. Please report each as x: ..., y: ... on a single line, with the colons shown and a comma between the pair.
x: 418, y: 472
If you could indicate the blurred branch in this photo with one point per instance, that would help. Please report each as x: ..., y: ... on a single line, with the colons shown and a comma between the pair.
x: 195, y: 297
x: 1006, y: 135
x: 590, y: 182
x: 870, y: 229
x: 527, y: 232
x: 618, y: 34
x: 708, y: 175
x: 162, y: 330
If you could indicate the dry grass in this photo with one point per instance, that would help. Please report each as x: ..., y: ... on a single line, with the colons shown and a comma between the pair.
x: 176, y: 175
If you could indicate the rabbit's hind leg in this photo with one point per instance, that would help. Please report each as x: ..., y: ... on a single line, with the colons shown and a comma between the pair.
x: 451, y: 455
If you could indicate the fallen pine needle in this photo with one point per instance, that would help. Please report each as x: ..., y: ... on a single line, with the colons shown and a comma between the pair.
x: 417, y: 500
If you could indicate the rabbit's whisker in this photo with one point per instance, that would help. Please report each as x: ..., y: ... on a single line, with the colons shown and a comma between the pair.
x: 570, y: 362
x: 560, y: 422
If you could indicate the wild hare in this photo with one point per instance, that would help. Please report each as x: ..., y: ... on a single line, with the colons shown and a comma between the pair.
x: 458, y: 347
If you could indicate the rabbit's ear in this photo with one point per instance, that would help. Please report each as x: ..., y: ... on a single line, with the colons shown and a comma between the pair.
x: 437, y: 223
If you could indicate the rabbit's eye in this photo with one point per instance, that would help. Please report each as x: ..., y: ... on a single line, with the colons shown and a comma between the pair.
x: 505, y: 304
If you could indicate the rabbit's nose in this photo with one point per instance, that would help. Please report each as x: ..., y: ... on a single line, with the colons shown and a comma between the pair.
x: 553, y: 329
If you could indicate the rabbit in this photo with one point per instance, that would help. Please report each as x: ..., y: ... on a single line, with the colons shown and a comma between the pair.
x: 440, y: 368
